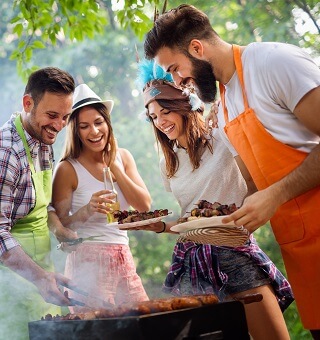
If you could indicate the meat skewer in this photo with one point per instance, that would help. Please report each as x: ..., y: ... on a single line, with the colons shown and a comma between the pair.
x: 135, y: 216
x: 208, y: 209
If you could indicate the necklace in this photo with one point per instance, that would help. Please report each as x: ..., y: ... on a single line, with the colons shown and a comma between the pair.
x: 182, y: 147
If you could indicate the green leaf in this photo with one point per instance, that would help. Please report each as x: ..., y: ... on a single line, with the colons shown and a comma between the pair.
x: 18, y: 29
x: 14, y: 55
x: 15, y: 19
x: 38, y: 44
x: 21, y: 44
x: 28, y: 53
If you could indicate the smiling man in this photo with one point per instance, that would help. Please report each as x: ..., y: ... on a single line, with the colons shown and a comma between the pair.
x: 271, y: 116
x: 26, y: 159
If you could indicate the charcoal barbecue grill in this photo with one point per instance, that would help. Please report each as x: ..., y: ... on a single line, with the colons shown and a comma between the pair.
x: 225, y: 320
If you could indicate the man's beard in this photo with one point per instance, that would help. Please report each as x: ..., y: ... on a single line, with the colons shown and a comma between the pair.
x: 204, y: 79
x: 34, y: 128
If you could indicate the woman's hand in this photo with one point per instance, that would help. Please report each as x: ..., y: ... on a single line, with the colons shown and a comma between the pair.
x: 100, y: 202
x: 211, y: 118
x: 130, y: 182
x: 158, y: 227
x: 115, y: 167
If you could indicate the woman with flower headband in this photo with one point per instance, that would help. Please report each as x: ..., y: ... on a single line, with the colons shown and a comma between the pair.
x: 197, y: 165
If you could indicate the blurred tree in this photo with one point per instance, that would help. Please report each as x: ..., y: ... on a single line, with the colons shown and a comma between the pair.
x: 37, y: 24
x: 40, y: 23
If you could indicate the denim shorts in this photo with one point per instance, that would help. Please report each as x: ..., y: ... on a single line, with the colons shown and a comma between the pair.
x: 241, y: 272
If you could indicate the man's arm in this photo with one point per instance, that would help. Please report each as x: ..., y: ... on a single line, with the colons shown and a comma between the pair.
x: 46, y: 282
x: 59, y: 231
x: 308, y: 110
x: 258, y: 208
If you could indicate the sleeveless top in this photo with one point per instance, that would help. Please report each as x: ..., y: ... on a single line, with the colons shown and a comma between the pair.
x: 97, y: 223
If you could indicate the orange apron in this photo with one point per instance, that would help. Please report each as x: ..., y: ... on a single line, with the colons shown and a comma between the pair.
x: 296, y: 224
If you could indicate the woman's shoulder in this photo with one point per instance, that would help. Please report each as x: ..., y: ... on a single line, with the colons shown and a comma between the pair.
x: 123, y: 151
x: 65, y: 167
x: 125, y: 154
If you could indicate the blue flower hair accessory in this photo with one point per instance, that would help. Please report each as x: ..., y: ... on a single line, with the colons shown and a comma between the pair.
x: 148, y: 71
x: 158, y: 84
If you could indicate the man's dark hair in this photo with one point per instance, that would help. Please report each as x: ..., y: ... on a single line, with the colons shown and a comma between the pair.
x: 176, y: 28
x: 49, y: 79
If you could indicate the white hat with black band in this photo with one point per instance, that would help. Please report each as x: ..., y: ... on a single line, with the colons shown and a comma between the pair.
x: 84, y: 96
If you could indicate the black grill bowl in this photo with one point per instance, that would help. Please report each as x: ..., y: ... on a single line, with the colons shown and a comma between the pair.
x: 220, y: 321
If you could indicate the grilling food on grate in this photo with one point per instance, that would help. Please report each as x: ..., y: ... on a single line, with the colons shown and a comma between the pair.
x: 208, y: 209
x: 125, y: 216
x: 141, y: 308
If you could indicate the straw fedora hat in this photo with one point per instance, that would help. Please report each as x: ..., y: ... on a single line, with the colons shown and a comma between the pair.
x: 84, y: 96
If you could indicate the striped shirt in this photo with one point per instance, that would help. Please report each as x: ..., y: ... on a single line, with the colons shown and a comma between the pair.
x: 17, y: 195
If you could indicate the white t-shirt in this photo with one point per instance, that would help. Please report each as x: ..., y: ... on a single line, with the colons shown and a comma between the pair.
x: 97, y: 223
x: 276, y: 77
x: 218, y: 179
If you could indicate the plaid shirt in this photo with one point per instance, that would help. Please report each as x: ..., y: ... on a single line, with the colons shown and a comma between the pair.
x: 17, y: 195
x: 205, y: 266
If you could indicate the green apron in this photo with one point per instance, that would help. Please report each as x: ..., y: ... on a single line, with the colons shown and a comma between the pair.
x: 20, y: 301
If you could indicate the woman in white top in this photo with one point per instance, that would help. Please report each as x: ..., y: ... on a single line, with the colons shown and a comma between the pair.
x: 104, y: 266
x: 197, y: 165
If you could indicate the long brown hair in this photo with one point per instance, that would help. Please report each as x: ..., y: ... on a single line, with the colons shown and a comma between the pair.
x: 197, y: 135
x: 73, y: 145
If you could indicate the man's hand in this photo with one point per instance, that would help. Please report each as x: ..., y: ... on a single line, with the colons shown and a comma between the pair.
x: 67, y: 248
x: 256, y: 210
x: 63, y: 234
x: 48, y: 286
x: 47, y: 283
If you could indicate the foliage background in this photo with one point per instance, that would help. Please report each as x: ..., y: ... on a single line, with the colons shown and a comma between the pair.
x: 96, y: 42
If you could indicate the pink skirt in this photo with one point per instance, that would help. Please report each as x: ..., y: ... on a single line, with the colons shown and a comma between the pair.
x: 105, y: 271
